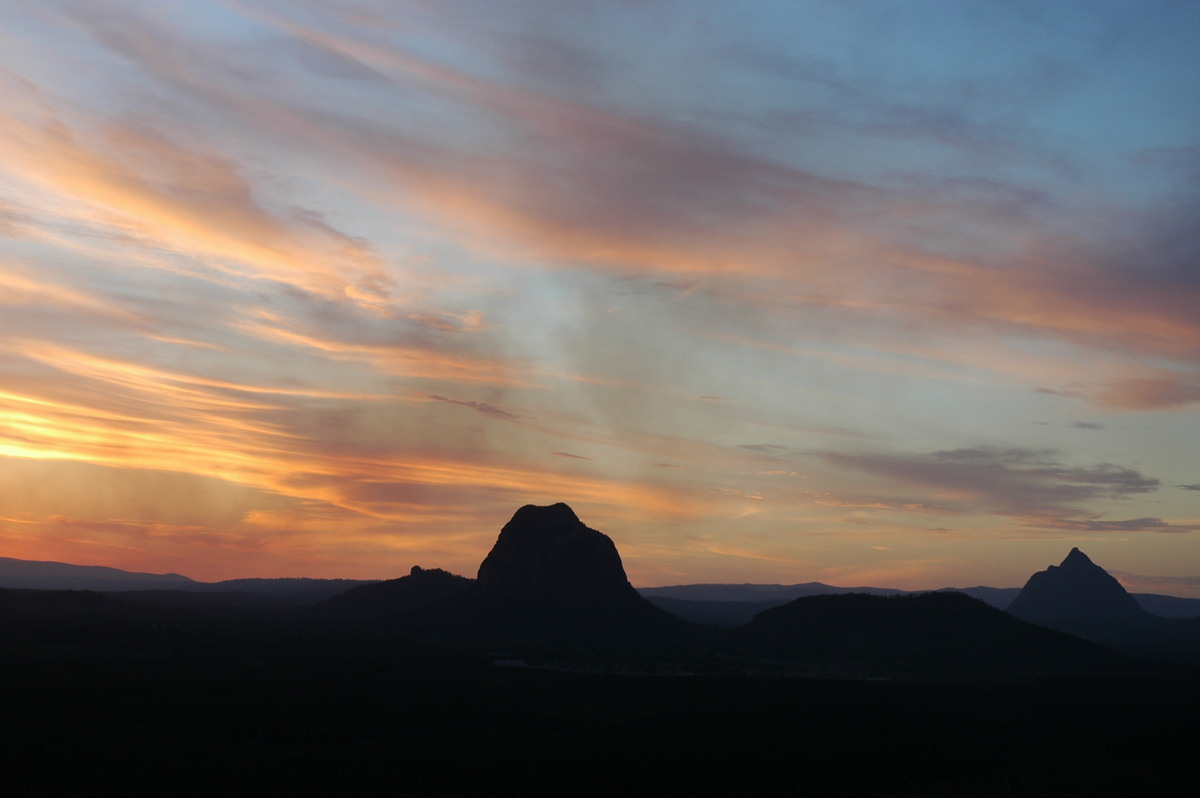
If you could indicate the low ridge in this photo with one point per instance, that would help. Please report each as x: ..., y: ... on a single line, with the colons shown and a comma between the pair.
x: 939, y: 635
x: 421, y: 589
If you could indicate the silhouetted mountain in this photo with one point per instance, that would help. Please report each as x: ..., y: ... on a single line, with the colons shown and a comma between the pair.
x: 546, y: 562
x: 554, y: 590
x: 1080, y: 598
x: 38, y: 575
x: 422, y: 588
x: 942, y: 635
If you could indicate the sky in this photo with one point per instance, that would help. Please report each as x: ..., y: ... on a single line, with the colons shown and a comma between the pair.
x: 875, y: 293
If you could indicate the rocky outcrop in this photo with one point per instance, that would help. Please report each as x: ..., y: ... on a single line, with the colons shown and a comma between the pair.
x: 546, y: 562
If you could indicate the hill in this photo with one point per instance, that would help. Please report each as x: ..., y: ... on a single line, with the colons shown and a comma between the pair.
x: 423, y: 588
x: 931, y: 635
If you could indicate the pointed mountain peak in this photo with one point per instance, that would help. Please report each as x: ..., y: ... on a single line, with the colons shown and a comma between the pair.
x: 1077, y: 560
x: 1077, y: 596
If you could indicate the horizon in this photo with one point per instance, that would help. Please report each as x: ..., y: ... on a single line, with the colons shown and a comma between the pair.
x: 897, y: 295
x: 1116, y: 575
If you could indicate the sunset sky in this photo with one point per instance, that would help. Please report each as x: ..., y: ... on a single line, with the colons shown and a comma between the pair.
x: 891, y: 293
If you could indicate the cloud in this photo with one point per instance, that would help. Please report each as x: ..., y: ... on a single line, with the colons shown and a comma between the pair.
x: 388, y: 353
x: 137, y: 182
x: 1158, y: 393
x: 375, y: 262
x: 1128, y: 525
x: 876, y: 503
x: 571, y: 456
x: 1164, y: 390
x: 1025, y: 483
x: 484, y: 408
x: 1184, y: 586
x: 566, y: 179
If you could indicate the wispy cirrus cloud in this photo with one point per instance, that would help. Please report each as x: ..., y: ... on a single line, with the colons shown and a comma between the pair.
x: 582, y: 182
x: 141, y: 184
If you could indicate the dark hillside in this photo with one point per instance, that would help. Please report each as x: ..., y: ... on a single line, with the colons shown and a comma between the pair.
x: 421, y: 589
x: 930, y: 635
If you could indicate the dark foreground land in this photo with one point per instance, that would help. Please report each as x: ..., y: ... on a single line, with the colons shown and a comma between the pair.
x: 394, y: 688
x: 347, y: 724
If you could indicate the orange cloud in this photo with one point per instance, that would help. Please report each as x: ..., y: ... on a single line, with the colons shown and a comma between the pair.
x: 398, y: 359
x: 1149, y: 393
x: 194, y: 204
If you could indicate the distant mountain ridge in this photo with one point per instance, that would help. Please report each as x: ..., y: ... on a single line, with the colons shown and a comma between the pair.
x: 734, y: 604
x: 749, y: 591
x: 998, y: 597
x: 44, y: 575
x: 554, y: 592
x: 726, y: 604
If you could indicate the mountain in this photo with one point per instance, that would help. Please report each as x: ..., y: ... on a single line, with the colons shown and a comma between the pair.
x: 37, y: 575
x: 554, y: 592
x: 546, y: 562
x: 421, y: 589
x: 735, y: 605
x: 928, y: 635
x: 1080, y: 598
x: 549, y: 588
